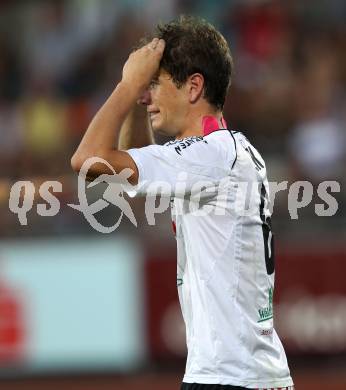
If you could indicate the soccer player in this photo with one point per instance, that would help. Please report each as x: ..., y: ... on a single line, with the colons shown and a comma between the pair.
x: 225, y: 267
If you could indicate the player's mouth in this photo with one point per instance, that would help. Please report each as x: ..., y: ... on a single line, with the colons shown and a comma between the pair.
x: 152, y: 114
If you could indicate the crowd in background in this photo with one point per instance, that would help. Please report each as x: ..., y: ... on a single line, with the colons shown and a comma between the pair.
x: 59, y: 60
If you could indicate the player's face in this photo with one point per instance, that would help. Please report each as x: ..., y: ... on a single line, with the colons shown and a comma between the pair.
x: 167, y: 105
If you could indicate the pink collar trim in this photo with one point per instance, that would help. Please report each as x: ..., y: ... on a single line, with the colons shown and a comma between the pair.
x: 211, y: 123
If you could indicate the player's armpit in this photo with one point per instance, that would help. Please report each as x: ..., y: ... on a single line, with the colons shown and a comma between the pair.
x: 117, y: 159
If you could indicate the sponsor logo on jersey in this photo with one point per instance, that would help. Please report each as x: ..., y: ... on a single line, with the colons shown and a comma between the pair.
x: 266, y: 313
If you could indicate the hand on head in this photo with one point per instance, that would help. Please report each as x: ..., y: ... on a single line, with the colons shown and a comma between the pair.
x: 143, y: 64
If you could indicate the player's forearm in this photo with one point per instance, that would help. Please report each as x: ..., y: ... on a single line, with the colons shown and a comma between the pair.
x: 102, y: 134
x: 135, y: 131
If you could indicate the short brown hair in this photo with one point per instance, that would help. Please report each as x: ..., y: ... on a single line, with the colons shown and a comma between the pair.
x: 195, y: 46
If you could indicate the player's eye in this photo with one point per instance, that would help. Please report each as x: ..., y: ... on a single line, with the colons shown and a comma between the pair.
x: 153, y: 83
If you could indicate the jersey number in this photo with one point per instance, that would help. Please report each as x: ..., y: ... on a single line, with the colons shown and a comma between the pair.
x: 268, y: 237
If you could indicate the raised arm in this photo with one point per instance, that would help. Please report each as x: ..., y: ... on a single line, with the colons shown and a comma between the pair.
x: 102, y: 136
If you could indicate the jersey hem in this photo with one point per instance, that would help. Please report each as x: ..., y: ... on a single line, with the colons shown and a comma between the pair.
x: 228, y: 380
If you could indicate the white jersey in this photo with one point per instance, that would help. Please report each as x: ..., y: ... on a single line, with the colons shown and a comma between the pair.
x: 225, y: 265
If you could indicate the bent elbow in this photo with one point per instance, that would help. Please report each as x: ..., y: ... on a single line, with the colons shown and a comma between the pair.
x: 77, y: 162
x: 93, y: 168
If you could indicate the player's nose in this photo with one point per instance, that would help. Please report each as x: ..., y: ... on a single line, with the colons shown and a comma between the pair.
x: 145, y: 98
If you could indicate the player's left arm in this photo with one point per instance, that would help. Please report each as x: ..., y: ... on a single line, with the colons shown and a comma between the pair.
x: 102, y: 135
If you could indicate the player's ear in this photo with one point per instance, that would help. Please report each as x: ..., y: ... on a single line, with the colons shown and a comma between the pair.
x: 196, y: 85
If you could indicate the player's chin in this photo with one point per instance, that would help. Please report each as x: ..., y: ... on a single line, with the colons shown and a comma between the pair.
x: 157, y: 126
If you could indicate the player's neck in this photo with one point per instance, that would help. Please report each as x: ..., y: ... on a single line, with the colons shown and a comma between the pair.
x: 194, y: 123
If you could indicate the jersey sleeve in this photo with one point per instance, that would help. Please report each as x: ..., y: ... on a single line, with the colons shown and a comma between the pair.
x: 180, y: 168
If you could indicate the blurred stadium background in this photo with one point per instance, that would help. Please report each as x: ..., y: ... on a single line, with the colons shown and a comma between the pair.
x: 84, y: 310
